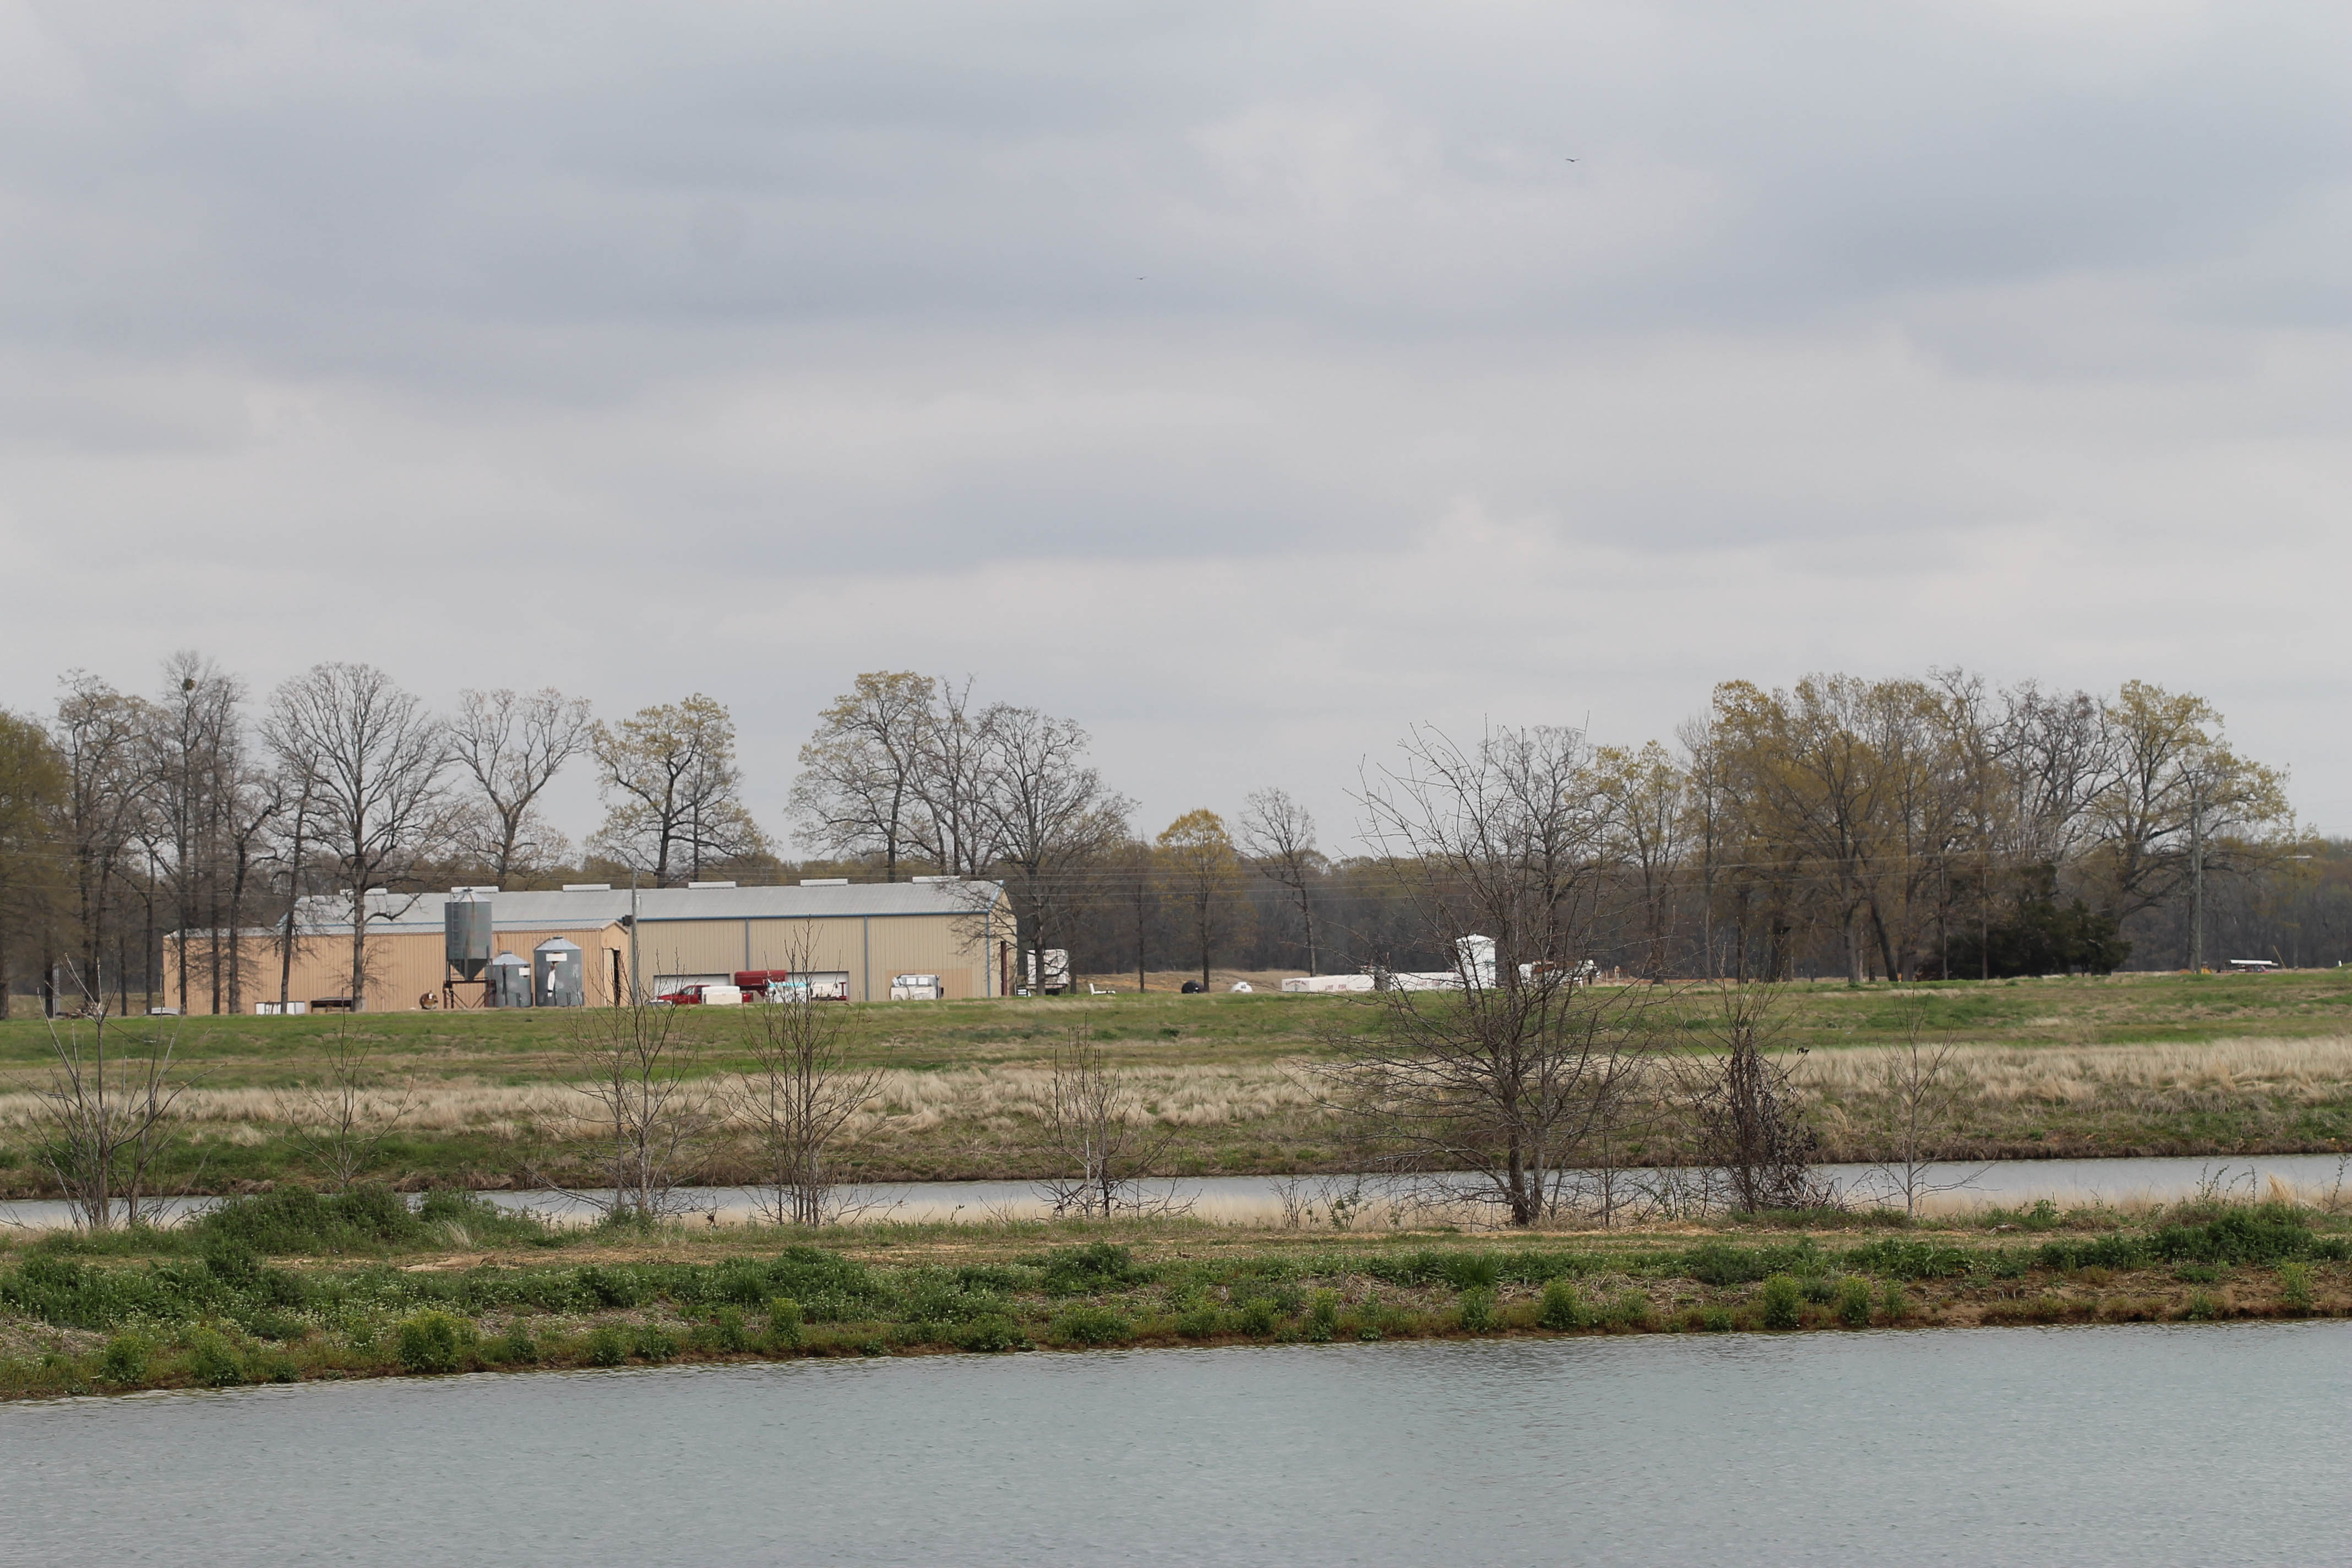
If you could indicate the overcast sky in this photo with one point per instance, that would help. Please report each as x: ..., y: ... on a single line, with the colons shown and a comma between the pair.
x: 1247, y: 382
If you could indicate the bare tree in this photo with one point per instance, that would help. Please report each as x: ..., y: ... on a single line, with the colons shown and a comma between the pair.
x: 1645, y: 797
x: 953, y: 783
x: 298, y: 789
x: 513, y: 746
x: 253, y: 801
x: 105, y: 1114
x: 1751, y: 1136
x: 674, y: 793
x: 99, y: 736
x: 376, y: 758
x: 1199, y: 858
x: 32, y: 785
x: 1492, y: 1089
x: 339, y: 1120
x: 858, y: 790
x: 644, y: 1103
x: 194, y: 755
x: 1052, y: 818
x: 1103, y: 1147
x: 799, y: 1096
x: 1278, y: 837
x: 1922, y: 1093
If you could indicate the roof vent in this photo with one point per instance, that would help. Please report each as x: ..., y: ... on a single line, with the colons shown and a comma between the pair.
x: 457, y: 890
x: 935, y: 879
x: 824, y: 881
x: 587, y: 887
x: 697, y: 884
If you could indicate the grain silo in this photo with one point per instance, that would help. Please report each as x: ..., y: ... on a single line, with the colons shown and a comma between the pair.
x: 465, y: 935
x: 510, y: 984
x: 556, y: 976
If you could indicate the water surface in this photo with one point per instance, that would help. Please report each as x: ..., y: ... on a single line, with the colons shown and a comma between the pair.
x: 2144, y: 1444
x: 1261, y: 1200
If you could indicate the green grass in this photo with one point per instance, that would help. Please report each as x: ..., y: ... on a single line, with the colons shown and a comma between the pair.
x: 202, y: 1308
x: 1158, y: 1027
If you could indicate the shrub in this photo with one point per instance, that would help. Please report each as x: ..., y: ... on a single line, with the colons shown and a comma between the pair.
x: 1257, y: 1316
x: 1715, y: 1319
x: 430, y: 1342
x: 516, y: 1347
x: 2294, y: 1287
x: 273, y: 1366
x: 1198, y: 1322
x: 2197, y: 1273
x: 727, y: 1332
x: 606, y: 1346
x: 785, y: 1323
x: 1476, y: 1308
x: 991, y: 1333
x: 295, y: 1219
x: 212, y: 1362
x: 1894, y: 1301
x: 1719, y: 1263
x: 1092, y: 1326
x: 826, y: 1284
x: 654, y: 1343
x: 124, y: 1360
x: 1090, y: 1269
x: 614, y: 1287
x: 1629, y: 1310
x: 1902, y: 1258
x: 1462, y: 1270
x: 2201, y: 1307
x: 741, y: 1281
x: 1322, y: 1317
x: 1820, y: 1290
x: 2266, y: 1232
x: 940, y: 1295
x: 1781, y: 1302
x: 483, y: 1220
x: 1472, y: 1271
x: 1561, y: 1307
x: 1853, y: 1301
x: 233, y: 1263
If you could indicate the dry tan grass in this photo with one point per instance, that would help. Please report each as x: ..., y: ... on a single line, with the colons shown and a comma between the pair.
x: 2309, y: 1070
x: 2008, y: 1084
x: 1001, y: 1100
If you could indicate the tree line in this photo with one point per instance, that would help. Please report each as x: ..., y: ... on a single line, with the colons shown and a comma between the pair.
x: 1911, y: 827
x: 1906, y: 827
x: 128, y: 820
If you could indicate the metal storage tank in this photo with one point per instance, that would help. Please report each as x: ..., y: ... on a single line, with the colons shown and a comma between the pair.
x: 510, y: 984
x: 557, y: 979
x: 466, y: 921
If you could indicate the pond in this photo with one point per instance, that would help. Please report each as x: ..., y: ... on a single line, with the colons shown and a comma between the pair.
x: 1261, y: 1200
x: 2142, y: 1444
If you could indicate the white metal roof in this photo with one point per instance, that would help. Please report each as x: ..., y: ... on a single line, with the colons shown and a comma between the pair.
x: 540, y: 910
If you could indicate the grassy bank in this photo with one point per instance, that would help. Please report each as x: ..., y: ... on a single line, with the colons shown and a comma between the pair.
x: 292, y: 1288
x: 1158, y: 1028
x: 2154, y: 1065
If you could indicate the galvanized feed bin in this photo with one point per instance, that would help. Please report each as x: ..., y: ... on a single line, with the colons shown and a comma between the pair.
x: 465, y: 920
x: 557, y: 977
x: 510, y: 984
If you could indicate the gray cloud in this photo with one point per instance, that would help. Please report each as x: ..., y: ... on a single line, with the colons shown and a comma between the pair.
x: 1248, y: 381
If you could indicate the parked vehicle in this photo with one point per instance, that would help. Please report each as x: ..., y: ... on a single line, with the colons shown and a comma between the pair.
x: 704, y: 993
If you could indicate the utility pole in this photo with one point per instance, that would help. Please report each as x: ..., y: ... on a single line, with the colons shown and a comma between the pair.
x: 635, y: 994
x: 2196, y: 873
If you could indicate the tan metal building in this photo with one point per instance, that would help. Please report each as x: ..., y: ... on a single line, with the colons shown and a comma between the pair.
x: 857, y: 937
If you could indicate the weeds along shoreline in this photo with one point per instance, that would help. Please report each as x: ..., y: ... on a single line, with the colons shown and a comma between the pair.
x: 292, y: 1288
